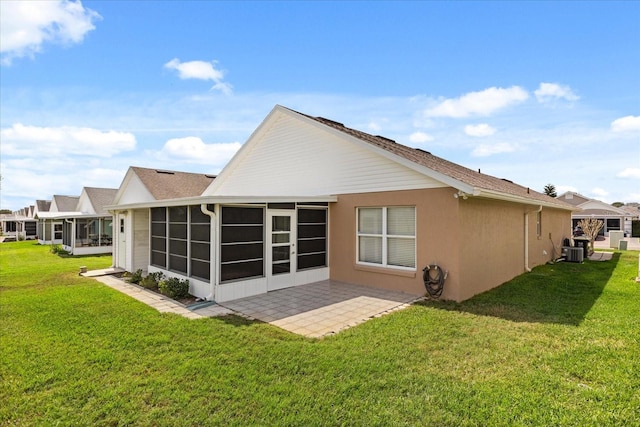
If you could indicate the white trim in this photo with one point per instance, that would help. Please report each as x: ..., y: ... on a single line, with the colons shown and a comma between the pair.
x: 224, y: 200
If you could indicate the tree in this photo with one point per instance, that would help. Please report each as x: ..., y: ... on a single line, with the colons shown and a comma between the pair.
x: 617, y: 204
x: 591, y: 227
x: 550, y: 190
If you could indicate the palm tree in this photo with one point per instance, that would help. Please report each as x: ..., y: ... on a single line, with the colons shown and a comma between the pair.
x: 550, y: 190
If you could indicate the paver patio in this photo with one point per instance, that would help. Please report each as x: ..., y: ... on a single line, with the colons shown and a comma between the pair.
x: 313, y: 310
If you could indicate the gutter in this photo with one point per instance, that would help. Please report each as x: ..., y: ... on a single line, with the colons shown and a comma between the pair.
x: 213, y: 272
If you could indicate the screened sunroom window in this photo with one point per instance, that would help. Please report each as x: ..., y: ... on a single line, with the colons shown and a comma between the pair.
x: 387, y: 236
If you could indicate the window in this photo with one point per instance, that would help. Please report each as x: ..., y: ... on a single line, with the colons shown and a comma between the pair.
x: 312, y: 238
x: 178, y: 239
x: 181, y: 240
x: 539, y: 224
x: 241, y: 243
x: 159, y: 237
x: 200, y: 242
x: 387, y: 236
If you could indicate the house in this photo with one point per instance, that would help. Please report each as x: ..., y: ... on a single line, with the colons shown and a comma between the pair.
x: 140, y: 187
x: 51, y: 220
x: 613, y: 219
x: 19, y: 224
x: 87, y: 229
x: 308, y: 199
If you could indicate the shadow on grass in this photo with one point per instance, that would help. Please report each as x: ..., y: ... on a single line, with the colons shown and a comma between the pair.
x: 561, y: 293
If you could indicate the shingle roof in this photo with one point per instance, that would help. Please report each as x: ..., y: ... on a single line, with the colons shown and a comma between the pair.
x: 66, y: 203
x: 43, y: 205
x: 101, y: 197
x: 444, y: 167
x: 165, y: 184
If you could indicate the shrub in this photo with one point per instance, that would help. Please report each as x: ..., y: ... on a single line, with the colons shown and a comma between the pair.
x: 174, y: 287
x: 136, y: 277
x: 152, y: 280
x: 57, y: 250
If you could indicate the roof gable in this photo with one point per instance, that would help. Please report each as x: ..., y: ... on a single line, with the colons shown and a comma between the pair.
x: 63, y: 203
x: 319, y: 157
x: 93, y: 200
x: 147, y: 185
x: 289, y: 155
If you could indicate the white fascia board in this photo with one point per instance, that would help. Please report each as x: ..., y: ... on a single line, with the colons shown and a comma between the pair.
x: 222, y: 200
x: 519, y: 199
x: 59, y: 215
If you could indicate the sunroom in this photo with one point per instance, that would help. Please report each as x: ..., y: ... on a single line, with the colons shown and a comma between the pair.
x: 230, y: 248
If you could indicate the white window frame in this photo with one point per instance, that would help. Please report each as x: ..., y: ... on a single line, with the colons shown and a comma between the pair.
x: 385, y: 239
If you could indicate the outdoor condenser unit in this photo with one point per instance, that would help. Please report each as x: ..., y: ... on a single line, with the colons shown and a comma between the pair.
x: 573, y: 254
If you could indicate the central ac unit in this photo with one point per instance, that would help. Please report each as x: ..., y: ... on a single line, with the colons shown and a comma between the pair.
x: 575, y: 255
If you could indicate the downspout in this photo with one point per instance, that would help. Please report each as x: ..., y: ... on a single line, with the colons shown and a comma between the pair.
x: 213, y: 271
x: 526, y: 238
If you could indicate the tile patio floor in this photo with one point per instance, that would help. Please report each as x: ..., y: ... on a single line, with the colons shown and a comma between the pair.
x: 313, y: 310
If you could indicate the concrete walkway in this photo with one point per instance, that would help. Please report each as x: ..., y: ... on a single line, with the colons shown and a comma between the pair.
x: 313, y: 310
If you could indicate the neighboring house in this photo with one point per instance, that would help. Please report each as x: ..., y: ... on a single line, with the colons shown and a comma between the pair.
x: 307, y: 199
x: 51, y: 220
x: 614, y: 219
x: 19, y: 224
x: 87, y: 229
x: 631, y: 217
x: 141, y: 186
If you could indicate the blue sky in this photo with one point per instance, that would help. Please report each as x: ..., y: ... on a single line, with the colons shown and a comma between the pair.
x: 537, y: 93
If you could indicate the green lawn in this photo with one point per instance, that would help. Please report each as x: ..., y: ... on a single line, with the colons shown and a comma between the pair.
x: 558, y: 346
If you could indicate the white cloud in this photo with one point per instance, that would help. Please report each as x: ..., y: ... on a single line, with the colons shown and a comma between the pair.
x: 200, y: 70
x: 33, y: 141
x: 547, y: 92
x: 481, y: 103
x: 629, y: 173
x: 600, y: 192
x: 485, y: 150
x: 626, y: 124
x: 193, y: 149
x: 479, y: 130
x: 420, y: 137
x: 25, y: 26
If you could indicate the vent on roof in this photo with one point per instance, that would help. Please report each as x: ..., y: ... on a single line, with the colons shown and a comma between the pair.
x: 385, y: 138
x: 330, y: 121
x: 421, y: 150
x: 165, y: 172
x: 210, y: 176
x: 507, y: 180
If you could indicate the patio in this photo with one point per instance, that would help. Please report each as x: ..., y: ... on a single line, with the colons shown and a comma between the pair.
x: 313, y: 310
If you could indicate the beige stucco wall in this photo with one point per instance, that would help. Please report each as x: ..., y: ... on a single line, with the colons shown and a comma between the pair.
x: 480, y: 242
x: 437, y: 239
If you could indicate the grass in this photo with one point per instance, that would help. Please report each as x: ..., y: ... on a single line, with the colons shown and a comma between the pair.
x: 558, y: 346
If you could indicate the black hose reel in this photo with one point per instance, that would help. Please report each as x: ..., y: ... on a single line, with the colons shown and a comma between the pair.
x: 434, y: 278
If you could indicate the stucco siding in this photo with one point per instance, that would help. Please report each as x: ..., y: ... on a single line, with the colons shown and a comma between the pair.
x: 492, y: 247
x: 556, y: 226
x: 437, y: 239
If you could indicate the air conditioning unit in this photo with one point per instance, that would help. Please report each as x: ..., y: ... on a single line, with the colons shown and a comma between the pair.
x: 574, y: 254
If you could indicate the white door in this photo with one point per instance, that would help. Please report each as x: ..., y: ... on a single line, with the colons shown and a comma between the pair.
x: 281, y: 249
x: 122, y: 242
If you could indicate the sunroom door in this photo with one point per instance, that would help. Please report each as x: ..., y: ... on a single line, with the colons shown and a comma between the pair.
x: 281, y: 250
